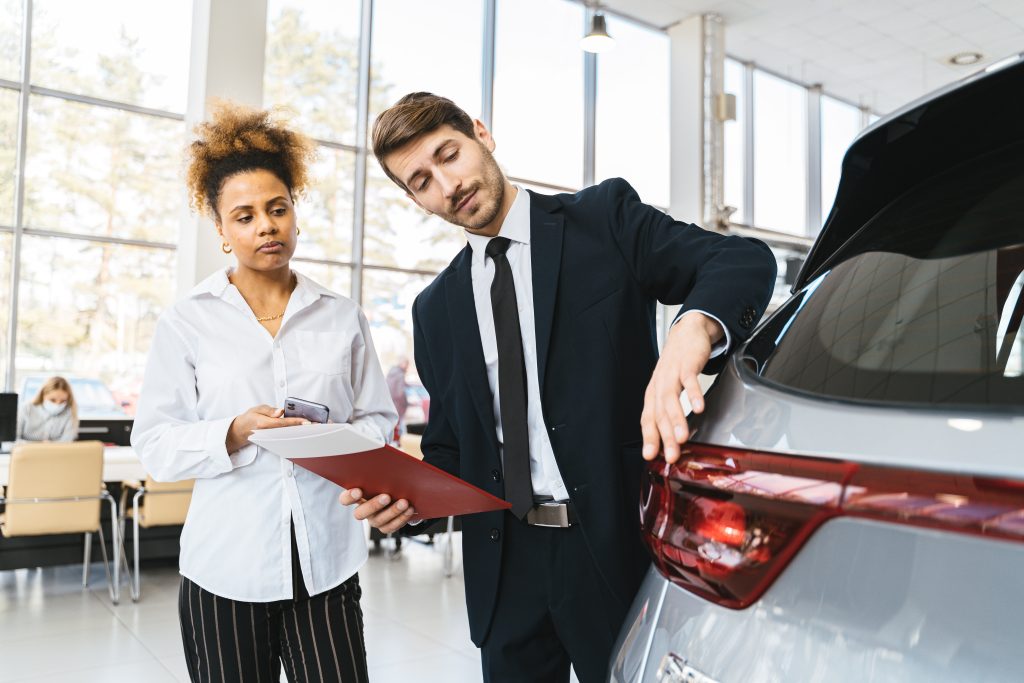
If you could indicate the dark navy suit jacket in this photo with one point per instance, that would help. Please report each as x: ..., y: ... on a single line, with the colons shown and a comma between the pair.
x: 601, y: 260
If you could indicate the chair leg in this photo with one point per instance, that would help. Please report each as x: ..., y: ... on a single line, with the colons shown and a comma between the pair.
x: 106, y: 564
x: 449, y: 550
x: 85, y: 560
x: 137, y: 579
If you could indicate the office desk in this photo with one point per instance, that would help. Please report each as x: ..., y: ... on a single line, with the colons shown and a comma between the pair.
x: 119, y: 464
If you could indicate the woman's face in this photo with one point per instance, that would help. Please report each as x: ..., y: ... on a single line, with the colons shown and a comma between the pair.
x: 56, y: 396
x: 257, y: 219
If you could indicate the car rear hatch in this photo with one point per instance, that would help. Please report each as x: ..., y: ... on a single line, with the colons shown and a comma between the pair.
x: 966, y: 120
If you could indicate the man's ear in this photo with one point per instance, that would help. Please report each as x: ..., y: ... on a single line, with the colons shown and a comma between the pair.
x: 483, y: 135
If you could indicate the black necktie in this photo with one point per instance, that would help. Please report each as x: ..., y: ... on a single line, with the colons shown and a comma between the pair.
x: 511, y: 381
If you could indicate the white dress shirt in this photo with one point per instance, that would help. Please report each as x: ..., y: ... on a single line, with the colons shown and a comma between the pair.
x: 544, y: 473
x: 210, y: 361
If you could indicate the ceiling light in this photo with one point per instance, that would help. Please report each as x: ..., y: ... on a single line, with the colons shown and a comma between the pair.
x: 965, y: 58
x: 597, y: 40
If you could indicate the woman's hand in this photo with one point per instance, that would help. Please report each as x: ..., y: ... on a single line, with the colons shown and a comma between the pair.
x: 260, y: 417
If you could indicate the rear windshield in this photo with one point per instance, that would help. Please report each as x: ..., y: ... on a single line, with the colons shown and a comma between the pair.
x: 926, y: 304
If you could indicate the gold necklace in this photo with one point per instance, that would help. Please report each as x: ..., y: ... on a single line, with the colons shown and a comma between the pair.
x: 269, y: 318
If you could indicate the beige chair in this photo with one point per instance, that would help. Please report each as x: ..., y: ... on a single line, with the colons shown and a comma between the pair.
x: 56, y: 488
x: 153, y: 504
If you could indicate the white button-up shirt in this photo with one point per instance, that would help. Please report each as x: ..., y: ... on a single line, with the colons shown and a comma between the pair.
x: 210, y: 361
x: 544, y: 473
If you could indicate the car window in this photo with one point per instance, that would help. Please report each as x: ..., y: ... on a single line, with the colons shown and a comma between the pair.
x: 926, y: 308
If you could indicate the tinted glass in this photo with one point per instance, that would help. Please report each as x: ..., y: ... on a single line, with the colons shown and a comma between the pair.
x: 924, y: 306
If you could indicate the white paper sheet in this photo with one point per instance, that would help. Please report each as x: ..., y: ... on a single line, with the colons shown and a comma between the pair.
x: 314, y: 440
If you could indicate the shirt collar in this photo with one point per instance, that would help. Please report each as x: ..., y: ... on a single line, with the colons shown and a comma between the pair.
x: 516, y: 227
x: 306, y: 291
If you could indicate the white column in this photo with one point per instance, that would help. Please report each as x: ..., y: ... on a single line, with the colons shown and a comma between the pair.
x: 686, y: 116
x: 228, y: 43
x: 696, y: 78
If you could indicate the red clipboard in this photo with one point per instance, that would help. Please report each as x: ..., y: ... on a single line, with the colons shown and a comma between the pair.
x: 431, y: 491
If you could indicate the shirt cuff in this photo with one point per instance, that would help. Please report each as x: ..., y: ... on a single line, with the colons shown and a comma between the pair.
x: 723, y: 344
x: 217, y: 450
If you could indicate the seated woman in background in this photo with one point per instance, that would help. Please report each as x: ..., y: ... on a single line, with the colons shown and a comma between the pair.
x: 51, y: 415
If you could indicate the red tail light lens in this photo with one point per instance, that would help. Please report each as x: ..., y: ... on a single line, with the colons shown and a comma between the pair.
x: 723, y: 523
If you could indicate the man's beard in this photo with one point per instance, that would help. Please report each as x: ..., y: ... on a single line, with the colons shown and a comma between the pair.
x: 490, y: 190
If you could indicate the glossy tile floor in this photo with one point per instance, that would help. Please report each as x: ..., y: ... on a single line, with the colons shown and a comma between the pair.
x: 52, y: 630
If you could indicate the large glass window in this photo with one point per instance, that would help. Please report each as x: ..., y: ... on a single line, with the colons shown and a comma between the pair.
x: 840, y: 123
x: 538, y: 91
x: 126, y: 51
x: 780, y: 154
x: 102, y: 171
x: 632, y: 134
x: 312, y: 65
x: 735, y: 165
x: 400, y: 234
x: 427, y: 46
x: 8, y: 152
x: 10, y: 39
x: 325, y: 213
x: 335, y: 278
x: 388, y: 298
x: 89, y: 309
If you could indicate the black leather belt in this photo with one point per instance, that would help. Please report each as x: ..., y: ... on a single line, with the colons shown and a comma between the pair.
x: 552, y: 514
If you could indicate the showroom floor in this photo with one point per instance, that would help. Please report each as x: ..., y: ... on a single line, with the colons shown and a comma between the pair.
x: 52, y: 630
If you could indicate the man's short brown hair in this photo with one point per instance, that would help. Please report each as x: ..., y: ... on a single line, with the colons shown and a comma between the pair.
x: 414, y: 115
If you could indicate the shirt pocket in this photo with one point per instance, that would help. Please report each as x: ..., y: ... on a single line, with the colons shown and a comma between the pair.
x: 325, y: 353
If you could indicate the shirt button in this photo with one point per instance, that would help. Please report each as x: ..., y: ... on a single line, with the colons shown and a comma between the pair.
x: 495, y: 475
x: 495, y: 534
x: 281, y: 384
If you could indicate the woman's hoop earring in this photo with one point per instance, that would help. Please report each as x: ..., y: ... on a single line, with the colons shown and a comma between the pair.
x: 298, y: 231
x: 226, y: 248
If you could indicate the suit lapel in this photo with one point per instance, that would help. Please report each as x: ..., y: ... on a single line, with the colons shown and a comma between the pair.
x: 546, y: 259
x: 466, y: 338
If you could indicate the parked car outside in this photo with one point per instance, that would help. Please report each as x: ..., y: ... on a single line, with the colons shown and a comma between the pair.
x: 851, y: 505
x: 94, y: 400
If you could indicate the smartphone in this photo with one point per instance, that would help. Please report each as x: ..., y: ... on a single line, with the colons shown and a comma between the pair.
x: 314, y: 412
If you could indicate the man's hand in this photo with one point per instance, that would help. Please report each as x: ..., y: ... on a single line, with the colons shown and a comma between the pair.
x: 380, y: 512
x: 260, y: 417
x: 687, y: 350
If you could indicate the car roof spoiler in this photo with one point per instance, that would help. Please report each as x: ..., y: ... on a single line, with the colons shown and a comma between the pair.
x: 966, y: 119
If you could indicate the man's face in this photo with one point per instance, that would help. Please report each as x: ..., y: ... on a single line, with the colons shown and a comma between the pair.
x: 455, y: 177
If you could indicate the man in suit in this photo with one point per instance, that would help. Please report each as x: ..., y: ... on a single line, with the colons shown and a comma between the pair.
x: 538, y: 348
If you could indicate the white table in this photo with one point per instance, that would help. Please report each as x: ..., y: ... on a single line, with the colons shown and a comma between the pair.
x: 119, y: 464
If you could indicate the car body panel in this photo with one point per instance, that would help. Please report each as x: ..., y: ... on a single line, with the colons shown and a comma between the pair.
x: 863, y: 600
x: 744, y: 411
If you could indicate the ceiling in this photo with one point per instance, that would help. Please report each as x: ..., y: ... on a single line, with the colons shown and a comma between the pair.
x: 879, y: 53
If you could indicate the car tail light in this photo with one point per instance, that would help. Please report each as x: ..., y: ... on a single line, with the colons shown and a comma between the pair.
x: 723, y: 523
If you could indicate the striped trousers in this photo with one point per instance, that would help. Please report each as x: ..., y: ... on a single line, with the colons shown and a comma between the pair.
x: 317, y: 638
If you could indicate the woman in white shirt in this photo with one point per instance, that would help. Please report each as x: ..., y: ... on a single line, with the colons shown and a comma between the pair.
x: 268, y: 559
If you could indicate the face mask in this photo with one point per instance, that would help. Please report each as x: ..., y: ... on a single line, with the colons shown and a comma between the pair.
x: 53, y: 408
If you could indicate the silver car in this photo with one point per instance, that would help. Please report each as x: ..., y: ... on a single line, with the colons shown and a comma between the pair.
x: 851, y: 507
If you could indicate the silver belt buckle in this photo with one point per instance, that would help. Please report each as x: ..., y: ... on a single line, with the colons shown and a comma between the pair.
x: 549, y: 514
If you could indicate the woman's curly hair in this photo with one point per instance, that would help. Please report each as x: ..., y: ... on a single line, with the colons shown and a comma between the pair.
x: 238, y: 139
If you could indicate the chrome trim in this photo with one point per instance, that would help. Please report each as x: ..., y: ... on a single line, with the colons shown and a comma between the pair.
x: 675, y: 669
